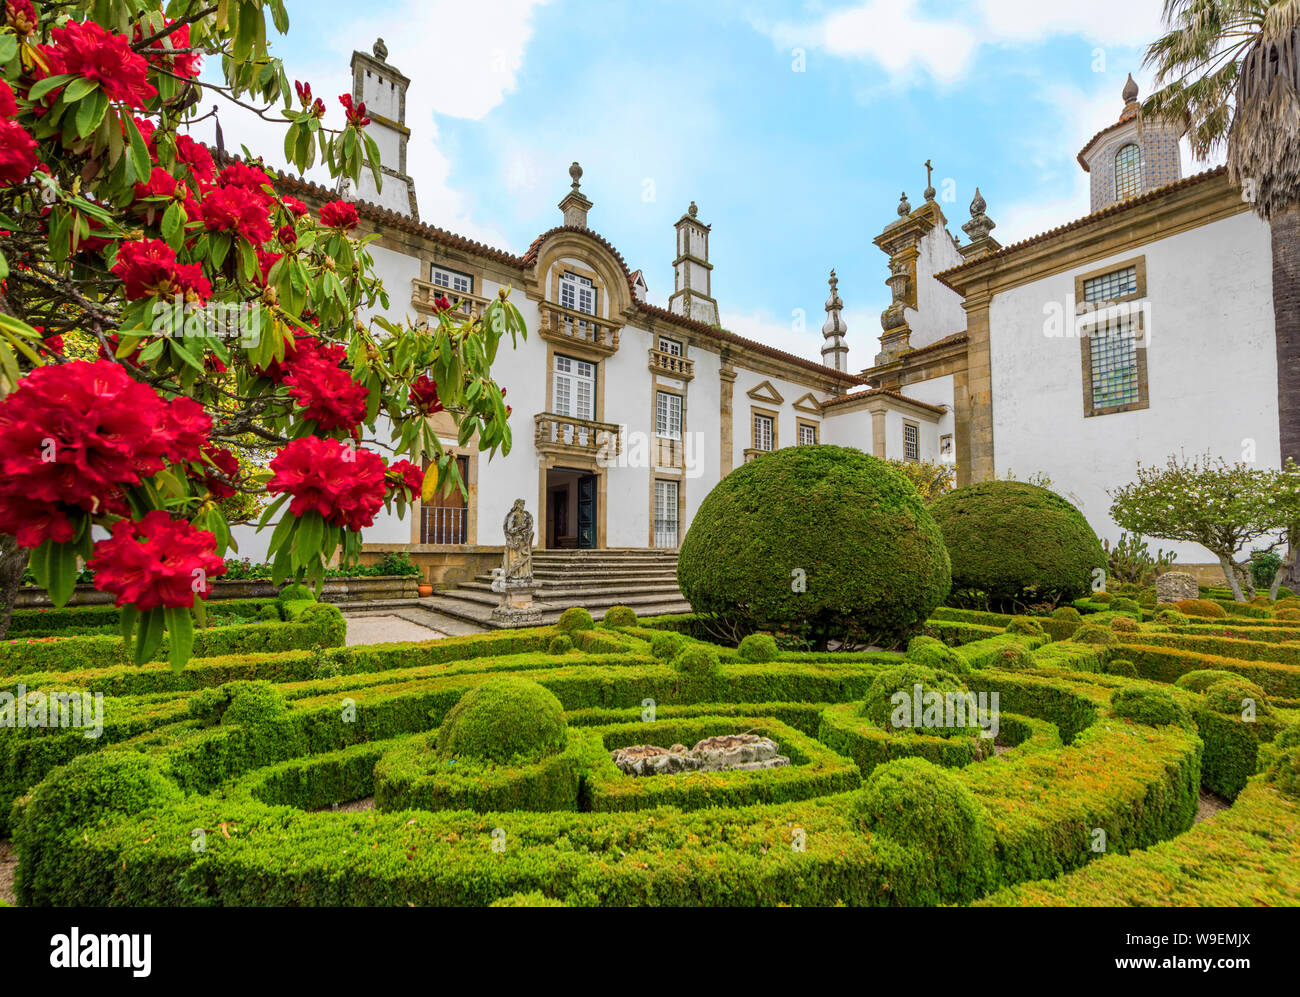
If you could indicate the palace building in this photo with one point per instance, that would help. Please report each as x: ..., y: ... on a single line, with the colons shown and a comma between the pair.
x: 1112, y: 339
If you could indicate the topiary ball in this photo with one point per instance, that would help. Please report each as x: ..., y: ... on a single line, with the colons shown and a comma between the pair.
x: 1126, y: 605
x: 1201, y: 607
x: 575, y: 618
x: 931, y: 652
x: 1093, y: 633
x: 928, y: 809
x: 1287, y: 615
x: 559, y: 644
x: 502, y: 719
x: 758, y: 648
x: 269, y: 614
x: 1170, y: 616
x: 1067, y: 613
x: 892, y: 701
x: 1235, y: 696
x: 818, y: 541
x: 296, y: 592
x: 1124, y: 625
x: 697, y: 660
x: 1202, y: 678
x: 1013, y: 658
x: 1102, y: 597
x: 1153, y: 707
x: 666, y: 644
x: 620, y: 616
x: 1120, y: 666
x: 253, y: 702
x: 1012, y: 542
x: 1026, y: 625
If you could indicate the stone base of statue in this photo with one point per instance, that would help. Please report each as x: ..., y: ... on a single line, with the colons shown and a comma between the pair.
x: 517, y: 608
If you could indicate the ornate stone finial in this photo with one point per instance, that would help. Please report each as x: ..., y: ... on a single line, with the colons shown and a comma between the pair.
x: 980, y: 224
x: 904, y: 209
x: 575, y: 171
x: 929, y: 184
x: 380, y: 50
x: 835, y: 351
x: 1130, y: 90
x: 693, y: 210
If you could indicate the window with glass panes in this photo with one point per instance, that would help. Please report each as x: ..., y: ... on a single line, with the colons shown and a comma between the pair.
x: 666, y: 513
x: 1128, y: 172
x: 575, y: 388
x: 668, y: 415
x: 911, y: 441
x: 455, y: 284
x: 672, y: 346
x: 1113, y: 363
x: 578, y: 293
x: 762, y: 432
x: 1111, y: 286
x: 807, y: 434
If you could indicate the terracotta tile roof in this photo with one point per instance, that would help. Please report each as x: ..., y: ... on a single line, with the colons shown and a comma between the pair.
x: 391, y: 219
x: 938, y: 344
x: 1115, y: 209
x: 888, y: 393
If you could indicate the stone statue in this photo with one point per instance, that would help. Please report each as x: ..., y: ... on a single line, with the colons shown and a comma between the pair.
x: 517, y: 561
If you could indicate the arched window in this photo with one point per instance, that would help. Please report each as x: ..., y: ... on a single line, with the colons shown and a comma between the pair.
x: 1128, y: 172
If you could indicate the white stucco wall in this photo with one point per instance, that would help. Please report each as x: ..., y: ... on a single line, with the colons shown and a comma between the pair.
x: 1211, y: 364
x: 938, y: 311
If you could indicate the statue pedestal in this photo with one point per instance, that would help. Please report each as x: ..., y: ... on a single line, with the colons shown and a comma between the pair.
x: 517, y: 609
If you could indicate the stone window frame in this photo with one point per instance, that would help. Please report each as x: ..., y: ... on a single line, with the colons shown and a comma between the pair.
x: 801, y: 425
x: 916, y: 428
x: 775, y: 416
x: 1085, y: 357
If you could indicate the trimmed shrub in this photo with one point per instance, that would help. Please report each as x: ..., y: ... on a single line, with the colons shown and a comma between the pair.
x: 667, y: 643
x: 933, y: 653
x: 534, y: 899
x: 1170, y: 616
x: 1283, y: 773
x: 83, y: 791
x: 873, y: 560
x: 1120, y: 666
x: 1126, y: 605
x: 891, y: 700
x: 1203, y: 678
x: 574, y: 619
x: 697, y: 660
x: 1013, y: 543
x: 620, y: 616
x: 758, y: 648
x: 1102, y: 596
x: 559, y: 644
x: 1201, y: 607
x: 924, y: 807
x: 1012, y: 658
x: 1092, y: 633
x: 1124, y: 624
x: 1232, y: 695
x: 1153, y: 707
x: 295, y: 592
x: 1067, y: 613
x: 268, y: 614
x: 1288, y: 615
x: 503, y: 719
x: 1026, y: 625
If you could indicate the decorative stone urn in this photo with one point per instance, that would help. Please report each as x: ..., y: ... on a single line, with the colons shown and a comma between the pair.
x: 1175, y: 586
x: 515, y: 576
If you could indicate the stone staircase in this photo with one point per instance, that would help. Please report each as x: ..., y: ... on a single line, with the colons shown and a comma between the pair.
x: 646, y: 580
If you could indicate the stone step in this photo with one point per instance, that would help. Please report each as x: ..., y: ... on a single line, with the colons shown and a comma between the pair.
x: 480, y: 615
x: 588, y: 598
x: 554, y: 578
x: 580, y: 588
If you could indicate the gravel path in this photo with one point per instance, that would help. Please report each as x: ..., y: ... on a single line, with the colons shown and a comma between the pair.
x: 386, y: 629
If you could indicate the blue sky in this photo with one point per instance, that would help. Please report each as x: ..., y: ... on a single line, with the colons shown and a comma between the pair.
x: 793, y: 126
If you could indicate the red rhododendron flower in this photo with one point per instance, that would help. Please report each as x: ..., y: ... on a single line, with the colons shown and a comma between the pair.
x: 220, y: 470
x: 404, y: 474
x: 239, y: 174
x: 17, y: 153
x: 31, y: 522
x: 356, y: 115
x: 93, y: 52
x: 149, y: 267
x: 157, y: 562
x: 195, y: 155
x: 52, y: 343
x: 237, y: 209
x: 293, y: 205
x: 287, y: 235
x: 345, y: 485
x: 21, y: 16
x: 185, y: 64
x: 161, y: 184
x: 265, y: 261
x: 78, y: 433
x: 424, y: 395
x: 8, y: 103
x: 441, y: 303
x: 339, y: 214
x: 327, y: 394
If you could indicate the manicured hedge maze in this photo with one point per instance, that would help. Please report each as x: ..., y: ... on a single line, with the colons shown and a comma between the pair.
x: 235, y: 782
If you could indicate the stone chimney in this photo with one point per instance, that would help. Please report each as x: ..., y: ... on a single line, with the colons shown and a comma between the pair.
x: 383, y: 90
x: 575, y: 205
x: 692, y: 272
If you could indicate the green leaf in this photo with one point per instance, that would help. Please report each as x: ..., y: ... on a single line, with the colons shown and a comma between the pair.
x: 127, y: 620
x: 150, y: 637
x: 8, y: 47
x: 139, y: 151
x: 42, y: 87
x: 180, y: 637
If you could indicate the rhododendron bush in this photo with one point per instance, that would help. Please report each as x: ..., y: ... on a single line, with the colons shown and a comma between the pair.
x: 177, y: 332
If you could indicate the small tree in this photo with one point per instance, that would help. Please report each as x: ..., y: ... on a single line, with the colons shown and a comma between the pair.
x: 1282, y: 515
x: 1205, y: 501
x: 932, y: 481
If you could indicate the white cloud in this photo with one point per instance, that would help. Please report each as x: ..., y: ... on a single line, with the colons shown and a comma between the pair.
x: 907, y: 44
